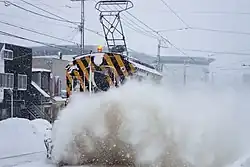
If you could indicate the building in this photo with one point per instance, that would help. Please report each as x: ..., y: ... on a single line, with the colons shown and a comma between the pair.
x: 15, y: 74
x: 49, y: 99
x: 185, y: 70
x: 57, y: 68
x: 19, y: 95
x: 48, y: 72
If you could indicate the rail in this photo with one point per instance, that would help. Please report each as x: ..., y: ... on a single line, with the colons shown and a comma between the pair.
x: 21, y: 155
x: 37, y: 112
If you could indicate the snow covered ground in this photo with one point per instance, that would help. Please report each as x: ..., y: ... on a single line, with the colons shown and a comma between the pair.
x: 21, y: 142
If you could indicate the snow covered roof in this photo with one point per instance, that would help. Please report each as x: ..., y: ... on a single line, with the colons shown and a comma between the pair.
x: 64, y: 57
x: 40, y: 70
x: 59, y: 98
x: 145, y: 68
x: 40, y: 89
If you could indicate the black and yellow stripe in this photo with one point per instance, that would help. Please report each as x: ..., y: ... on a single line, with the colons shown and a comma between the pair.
x: 68, y: 83
x: 120, y: 66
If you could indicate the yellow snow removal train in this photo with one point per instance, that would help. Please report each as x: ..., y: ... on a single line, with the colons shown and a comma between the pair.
x: 97, y: 72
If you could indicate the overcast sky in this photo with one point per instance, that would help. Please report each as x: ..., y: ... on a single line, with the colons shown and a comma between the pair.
x: 196, y: 13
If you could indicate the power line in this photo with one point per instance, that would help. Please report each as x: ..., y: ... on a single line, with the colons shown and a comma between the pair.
x: 174, y: 29
x: 52, y: 7
x: 52, y: 18
x: 48, y: 12
x: 165, y: 3
x: 220, y: 31
x: 139, y: 21
x: 34, y: 41
x: 62, y: 18
x: 156, y: 32
x: 138, y: 31
x: 164, y: 38
x: 40, y: 21
x: 216, y: 52
x: 35, y: 13
x: 34, y: 31
x: 222, y: 12
x: 93, y: 31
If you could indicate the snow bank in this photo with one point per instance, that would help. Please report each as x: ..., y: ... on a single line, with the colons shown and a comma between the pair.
x: 21, y: 136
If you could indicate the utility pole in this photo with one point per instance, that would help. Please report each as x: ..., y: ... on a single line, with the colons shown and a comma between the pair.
x: 158, y: 54
x: 185, y: 73
x: 159, y: 65
x: 81, y: 26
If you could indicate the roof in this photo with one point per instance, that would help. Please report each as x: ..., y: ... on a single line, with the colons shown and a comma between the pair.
x: 40, y: 89
x: 154, y: 71
x: 64, y: 57
x: 59, y: 99
x: 186, y: 59
x: 40, y: 70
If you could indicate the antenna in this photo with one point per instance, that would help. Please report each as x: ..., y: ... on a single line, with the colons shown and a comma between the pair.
x: 111, y: 23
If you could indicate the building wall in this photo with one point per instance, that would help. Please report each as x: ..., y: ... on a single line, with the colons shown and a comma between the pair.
x: 45, y: 63
x: 174, y: 73
x: 21, y: 64
x: 57, y: 67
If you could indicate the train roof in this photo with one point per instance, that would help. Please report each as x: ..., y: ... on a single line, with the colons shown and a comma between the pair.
x: 136, y: 62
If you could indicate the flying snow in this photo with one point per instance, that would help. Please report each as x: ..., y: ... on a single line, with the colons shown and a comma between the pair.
x: 145, y: 123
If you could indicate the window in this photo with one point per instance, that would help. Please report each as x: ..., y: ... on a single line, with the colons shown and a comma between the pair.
x: 7, y: 80
x: 7, y: 54
x: 22, y: 82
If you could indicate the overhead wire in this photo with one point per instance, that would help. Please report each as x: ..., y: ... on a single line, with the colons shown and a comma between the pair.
x: 62, y: 18
x: 156, y: 32
x: 36, y: 32
x: 204, y: 29
x: 218, y: 12
x: 220, y: 31
x: 66, y: 20
x: 35, y: 13
x: 71, y: 36
x: 216, y: 52
x: 52, y: 7
x: 34, y: 41
x: 166, y: 4
x: 40, y: 21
